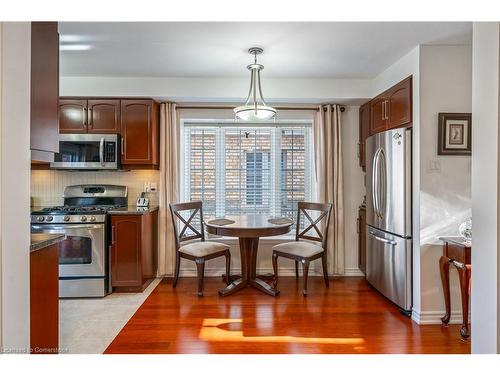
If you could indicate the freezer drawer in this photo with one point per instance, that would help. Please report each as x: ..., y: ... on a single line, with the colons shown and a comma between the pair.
x: 389, y: 266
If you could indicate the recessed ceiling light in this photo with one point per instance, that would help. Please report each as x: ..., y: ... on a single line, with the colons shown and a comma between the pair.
x: 74, y: 47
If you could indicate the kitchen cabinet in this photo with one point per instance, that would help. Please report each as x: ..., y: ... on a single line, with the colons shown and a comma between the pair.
x: 392, y: 108
x: 44, y: 300
x: 399, y: 104
x: 140, y: 133
x: 104, y: 116
x: 364, y: 131
x: 133, y: 251
x: 72, y: 115
x: 80, y: 115
x: 44, y: 133
x: 361, y: 224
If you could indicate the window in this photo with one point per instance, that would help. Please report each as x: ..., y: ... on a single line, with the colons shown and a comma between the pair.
x: 238, y: 169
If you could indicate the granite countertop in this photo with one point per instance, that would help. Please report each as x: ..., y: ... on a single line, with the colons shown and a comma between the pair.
x: 42, y: 240
x: 133, y: 210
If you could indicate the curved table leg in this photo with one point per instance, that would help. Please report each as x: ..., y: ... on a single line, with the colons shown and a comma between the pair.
x: 248, y: 255
x: 464, y: 276
x: 444, y: 267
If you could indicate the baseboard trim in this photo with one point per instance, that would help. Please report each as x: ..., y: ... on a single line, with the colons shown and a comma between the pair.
x: 434, y: 317
x: 352, y: 272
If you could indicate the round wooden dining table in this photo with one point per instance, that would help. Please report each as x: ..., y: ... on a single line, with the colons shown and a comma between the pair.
x: 248, y: 229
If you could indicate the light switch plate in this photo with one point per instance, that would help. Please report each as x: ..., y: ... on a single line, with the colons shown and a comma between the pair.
x: 434, y: 166
x: 153, y: 187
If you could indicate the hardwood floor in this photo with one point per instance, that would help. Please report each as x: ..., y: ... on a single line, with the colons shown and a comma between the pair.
x: 349, y: 317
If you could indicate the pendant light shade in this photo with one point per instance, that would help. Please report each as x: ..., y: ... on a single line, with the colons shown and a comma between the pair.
x: 255, y: 108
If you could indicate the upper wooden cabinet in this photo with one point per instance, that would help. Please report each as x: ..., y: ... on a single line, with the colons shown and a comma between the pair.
x: 101, y: 116
x: 378, y: 122
x: 72, y: 116
x: 392, y: 108
x: 364, y: 131
x: 140, y: 132
x: 44, y: 134
x: 399, y: 104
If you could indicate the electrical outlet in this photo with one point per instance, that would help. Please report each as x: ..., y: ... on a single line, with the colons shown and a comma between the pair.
x: 153, y: 187
x: 147, y: 187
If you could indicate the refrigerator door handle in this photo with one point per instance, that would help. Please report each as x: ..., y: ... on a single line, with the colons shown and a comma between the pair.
x: 374, y: 182
x: 382, y: 200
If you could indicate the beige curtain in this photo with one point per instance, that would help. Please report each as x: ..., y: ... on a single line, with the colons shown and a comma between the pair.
x: 169, y: 184
x: 328, y: 168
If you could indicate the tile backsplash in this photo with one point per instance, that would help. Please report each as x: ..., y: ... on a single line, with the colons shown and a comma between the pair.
x: 47, y: 186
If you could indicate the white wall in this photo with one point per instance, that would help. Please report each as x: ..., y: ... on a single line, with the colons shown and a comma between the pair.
x: 404, y: 67
x: 485, y: 188
x: 220, y: 89
x: 15, y: 184
x: 445, y: 195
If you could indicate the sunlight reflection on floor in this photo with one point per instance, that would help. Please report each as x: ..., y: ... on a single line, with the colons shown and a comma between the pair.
x: 210, y: 331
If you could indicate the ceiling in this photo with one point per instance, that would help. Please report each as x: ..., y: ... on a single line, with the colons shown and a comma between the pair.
x: 219, y: 49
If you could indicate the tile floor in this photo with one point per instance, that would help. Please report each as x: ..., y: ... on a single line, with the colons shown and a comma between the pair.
x: 89, y: 325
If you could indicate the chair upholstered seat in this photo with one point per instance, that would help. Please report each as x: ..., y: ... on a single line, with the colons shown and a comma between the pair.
x: 299, y: 248
x: 203, y: 248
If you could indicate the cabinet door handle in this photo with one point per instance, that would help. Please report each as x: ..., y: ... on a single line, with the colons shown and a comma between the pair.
x: 383, y: 108
x: 85, y: 116
x: 358, y: 225
x: 90, y: 117
x: 113, y: 235
x: 386, y: 110
x: 123, y: 145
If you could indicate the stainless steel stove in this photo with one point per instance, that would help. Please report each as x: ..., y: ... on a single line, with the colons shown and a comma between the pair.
x: 83, y: 258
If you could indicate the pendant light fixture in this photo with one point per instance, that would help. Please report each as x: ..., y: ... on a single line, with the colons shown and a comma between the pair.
x: 255, y: 108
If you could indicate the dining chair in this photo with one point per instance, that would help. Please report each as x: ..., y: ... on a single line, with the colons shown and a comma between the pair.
x: 199, y: 251
x: 302, y: 249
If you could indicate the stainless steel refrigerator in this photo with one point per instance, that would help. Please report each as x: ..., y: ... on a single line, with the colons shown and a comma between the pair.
x: 389, y: 215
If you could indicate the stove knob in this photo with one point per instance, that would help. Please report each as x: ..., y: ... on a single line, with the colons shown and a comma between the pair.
x: 49, y: 218
x: 83, y: 218
x: 92, y: 218
x: 66, y: 218
x: 40, y: 218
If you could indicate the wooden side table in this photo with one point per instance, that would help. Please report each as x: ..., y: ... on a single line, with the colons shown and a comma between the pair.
x: 456, y: 252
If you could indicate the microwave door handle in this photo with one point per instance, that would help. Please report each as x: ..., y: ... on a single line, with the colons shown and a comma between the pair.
x: 101, y: 151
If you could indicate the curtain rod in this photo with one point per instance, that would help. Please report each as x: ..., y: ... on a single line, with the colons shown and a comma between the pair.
x: 225, y: 106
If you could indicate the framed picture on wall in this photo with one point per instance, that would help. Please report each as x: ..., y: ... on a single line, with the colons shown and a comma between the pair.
x: 455, y: 132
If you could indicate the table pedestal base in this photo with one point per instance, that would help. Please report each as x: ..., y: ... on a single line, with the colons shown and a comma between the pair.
x: 248, y: 278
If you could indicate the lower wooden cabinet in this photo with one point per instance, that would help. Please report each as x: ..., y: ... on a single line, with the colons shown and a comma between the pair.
x: 133, y: 251
x: 44, y: 300
x: 362, y: 238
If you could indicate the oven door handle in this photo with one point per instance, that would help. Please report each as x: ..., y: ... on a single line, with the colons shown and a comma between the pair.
x: 70, y: 226
x: 101, y: 151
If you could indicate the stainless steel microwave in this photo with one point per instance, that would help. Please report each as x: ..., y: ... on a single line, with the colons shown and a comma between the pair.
x: 88, y: 151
